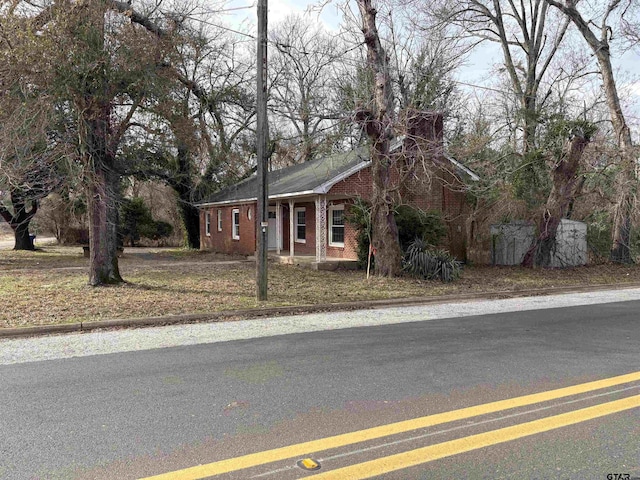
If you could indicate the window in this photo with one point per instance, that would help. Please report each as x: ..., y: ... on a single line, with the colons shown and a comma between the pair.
x: 219, y: 220
x: 207, y: 224
x: 301, y: 225
x: 235, y: 222
x: 336, y: 226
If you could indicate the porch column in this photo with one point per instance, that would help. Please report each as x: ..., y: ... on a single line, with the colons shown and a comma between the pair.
x: 321, y: 228
x: 278, y: 226
x: 292, y: 234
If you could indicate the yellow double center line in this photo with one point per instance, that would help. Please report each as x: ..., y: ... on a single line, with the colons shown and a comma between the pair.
x: 433, y: 452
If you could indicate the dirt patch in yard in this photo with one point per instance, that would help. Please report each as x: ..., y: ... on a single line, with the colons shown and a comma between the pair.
x: 50, y: 286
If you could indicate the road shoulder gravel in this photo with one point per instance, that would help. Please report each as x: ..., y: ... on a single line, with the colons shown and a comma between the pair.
x: 99, y: 338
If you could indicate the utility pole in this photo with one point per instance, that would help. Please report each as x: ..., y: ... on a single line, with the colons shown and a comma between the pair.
x: 262, y: 135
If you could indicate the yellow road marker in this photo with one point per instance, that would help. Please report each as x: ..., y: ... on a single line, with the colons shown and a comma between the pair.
x: 308, y: 464
x: 302, y: 449
x: 454, y: 447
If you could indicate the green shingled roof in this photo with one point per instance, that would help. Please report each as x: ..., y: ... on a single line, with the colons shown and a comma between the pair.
x: 310, y: 177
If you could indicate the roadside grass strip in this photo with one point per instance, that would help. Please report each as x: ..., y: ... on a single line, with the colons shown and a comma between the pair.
x: 404, y: 460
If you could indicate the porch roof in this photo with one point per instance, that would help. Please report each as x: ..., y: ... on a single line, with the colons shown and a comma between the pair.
x: 314, y: 177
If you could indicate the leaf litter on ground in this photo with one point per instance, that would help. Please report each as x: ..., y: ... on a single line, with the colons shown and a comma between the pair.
x: 49, y: 286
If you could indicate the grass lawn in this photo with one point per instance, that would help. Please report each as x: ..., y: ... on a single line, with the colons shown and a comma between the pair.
x: 49, y: 286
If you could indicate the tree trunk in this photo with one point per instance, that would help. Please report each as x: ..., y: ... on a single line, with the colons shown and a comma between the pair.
x: 384, y: 231
x: 102, y: 181
x: 191, y: 220
x: 625, y: 182
x: 182, y: 184
x: 621, y: 231
x: 566, y: 181
x: 378, y: 124
x: 102, y: 194
x: 20, y: 220
x: 23, y: 239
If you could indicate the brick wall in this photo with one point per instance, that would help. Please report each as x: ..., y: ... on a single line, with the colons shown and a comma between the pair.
x: 425, y: 193
x: 222, y: 241
x: 350, y: 249
x: 435, y: 190
x: 358, y: 184
x: 309, y: 247
x: 456, y: 212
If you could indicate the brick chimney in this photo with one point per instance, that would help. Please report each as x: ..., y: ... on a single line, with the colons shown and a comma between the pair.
x: 424, y: 129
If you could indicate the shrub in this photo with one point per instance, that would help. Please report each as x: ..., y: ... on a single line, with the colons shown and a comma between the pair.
x: 424, y: 262
x: 412, y: 223
x: 359, y: 216
x: 137, y: 222
x: 155, y: 230
x: 415, y: 223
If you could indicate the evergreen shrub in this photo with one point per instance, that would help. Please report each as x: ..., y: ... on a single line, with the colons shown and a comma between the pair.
x: 422, y: 260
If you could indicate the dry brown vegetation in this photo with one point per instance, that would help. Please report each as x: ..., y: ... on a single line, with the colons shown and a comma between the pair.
x: 50, y: 285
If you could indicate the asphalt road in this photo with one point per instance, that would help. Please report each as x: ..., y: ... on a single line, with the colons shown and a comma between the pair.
x: 140, y: 413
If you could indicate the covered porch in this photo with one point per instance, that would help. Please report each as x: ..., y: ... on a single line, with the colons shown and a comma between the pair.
x: 308, y: 230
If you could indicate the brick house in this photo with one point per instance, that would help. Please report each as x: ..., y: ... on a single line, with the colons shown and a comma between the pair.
x: 308, y: 202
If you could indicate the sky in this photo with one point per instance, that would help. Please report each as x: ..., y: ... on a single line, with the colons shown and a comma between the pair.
x: 278, y: 9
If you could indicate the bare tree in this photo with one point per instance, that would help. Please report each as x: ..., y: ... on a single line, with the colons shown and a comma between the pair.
x: 598, y: 36
x: 193, y: 143
x: 101, y: 61
x: 33, y: 148
x: 529, y: 37
x: 378, y: 121
x: 302, y: 99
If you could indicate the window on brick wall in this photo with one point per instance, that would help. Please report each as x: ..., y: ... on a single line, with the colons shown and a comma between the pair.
x: 235, y: 222
x: 219, y: 220
x: 336, y: 225
x: 301, y: 225
x: 207, y: 224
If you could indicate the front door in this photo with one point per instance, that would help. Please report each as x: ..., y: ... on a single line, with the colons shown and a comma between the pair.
x: 271, y: 231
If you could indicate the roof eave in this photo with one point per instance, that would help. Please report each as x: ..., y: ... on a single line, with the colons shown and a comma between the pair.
x: 326, y: 186
x: 474, y: 176
x: 225, y: 202
x: 254, y: 199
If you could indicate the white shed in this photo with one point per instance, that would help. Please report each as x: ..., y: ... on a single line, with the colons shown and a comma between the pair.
x: 571, y: 244
x: 510, y: 242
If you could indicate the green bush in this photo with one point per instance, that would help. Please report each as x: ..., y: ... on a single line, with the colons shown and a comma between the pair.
x: 412, y: 223
x: 415, y: 223
x: 136, y: 222
x: 155, y: 230
x: 359, y: 215
x: 424, y: 262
